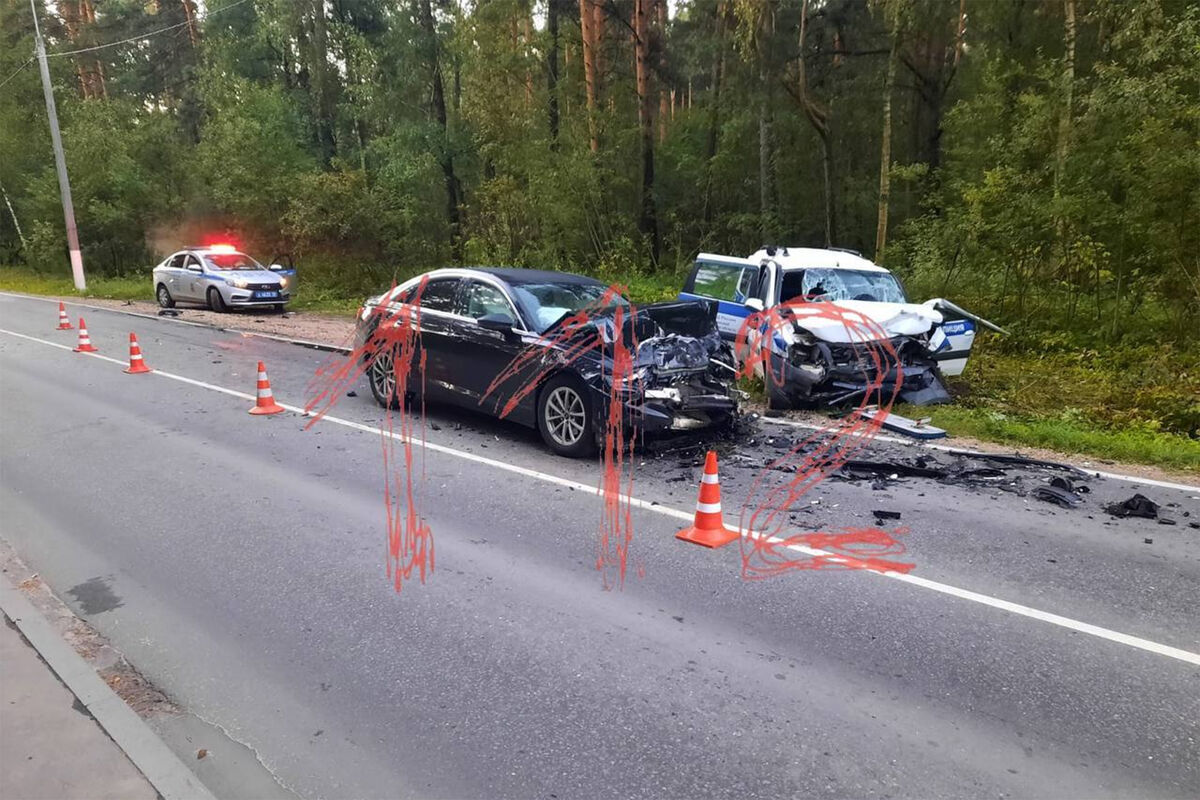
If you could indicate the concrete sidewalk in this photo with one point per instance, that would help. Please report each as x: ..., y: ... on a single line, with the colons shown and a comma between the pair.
x: 50, y: 747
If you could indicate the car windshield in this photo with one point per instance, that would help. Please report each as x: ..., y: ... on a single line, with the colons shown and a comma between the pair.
x: 841, y: 284
x: 547, y: 303
x: 231, y: 261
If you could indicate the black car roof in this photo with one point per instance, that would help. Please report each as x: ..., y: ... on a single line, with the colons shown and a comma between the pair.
x: 517, y: 276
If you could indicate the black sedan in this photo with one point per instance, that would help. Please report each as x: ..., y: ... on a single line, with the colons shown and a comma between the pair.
x: 537, y: 347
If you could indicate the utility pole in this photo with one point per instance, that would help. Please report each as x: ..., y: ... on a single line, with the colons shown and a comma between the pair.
x: 64, y: 185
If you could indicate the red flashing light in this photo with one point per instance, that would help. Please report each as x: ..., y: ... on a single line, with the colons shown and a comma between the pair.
x: 222, y: 248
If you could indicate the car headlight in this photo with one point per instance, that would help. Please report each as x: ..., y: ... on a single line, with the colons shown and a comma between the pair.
x: 239, y: 282
x: 283, y: 283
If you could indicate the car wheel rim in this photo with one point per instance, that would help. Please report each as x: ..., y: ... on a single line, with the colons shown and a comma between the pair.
x: 565, y: 416
x: 384, y: 376
x: 162, y: 295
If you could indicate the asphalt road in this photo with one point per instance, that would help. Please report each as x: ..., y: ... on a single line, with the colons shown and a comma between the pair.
x: 238, y: 562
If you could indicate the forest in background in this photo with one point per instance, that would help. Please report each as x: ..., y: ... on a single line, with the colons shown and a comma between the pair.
x: 1038, y: 162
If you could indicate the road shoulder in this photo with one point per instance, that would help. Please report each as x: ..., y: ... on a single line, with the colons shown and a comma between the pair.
x: 93, y: 758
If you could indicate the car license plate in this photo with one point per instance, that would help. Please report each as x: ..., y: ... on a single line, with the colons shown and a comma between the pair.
x: 266, y: 294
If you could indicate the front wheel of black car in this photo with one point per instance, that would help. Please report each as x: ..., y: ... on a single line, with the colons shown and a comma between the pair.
x: 382, y: 377
x: 565, y: 417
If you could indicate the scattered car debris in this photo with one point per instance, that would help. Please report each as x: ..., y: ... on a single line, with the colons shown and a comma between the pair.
x: 1137, y: 506
x: 859, y: 470
x: 886, y: 514
x: 1057, y: 495
x: 1017, y: 459
x: 916, y: 428
x: 168, y: 312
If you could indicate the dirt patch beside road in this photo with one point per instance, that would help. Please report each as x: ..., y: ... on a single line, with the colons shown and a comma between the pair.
x: 336, y: 331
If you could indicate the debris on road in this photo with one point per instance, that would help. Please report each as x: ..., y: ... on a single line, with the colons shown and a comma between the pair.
x: 916, y: 428
x: 886, y: 514
x: 1137, y: 506
x: 1057, y: 495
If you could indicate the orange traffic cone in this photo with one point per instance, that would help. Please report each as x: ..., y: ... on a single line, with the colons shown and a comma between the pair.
x: 64, y: 322
x: 265, y: 404
x: 709, y: 529
x: 85, y: 342
x: 136, y: 364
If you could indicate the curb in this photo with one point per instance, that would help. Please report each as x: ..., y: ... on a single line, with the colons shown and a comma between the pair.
x: 158, y: 763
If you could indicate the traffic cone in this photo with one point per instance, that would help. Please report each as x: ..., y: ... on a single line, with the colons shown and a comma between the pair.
x: 709, y: 528
x: 64, y: 322
x: 85, y: 342
x: 136, y: 364
x: 265, y: 404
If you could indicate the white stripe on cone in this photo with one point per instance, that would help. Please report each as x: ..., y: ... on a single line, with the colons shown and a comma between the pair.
x: 706, y: 478
x: 708, y: 508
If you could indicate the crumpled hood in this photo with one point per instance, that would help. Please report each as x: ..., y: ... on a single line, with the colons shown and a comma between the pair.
x: 670, y: 337
x: 896, y: 319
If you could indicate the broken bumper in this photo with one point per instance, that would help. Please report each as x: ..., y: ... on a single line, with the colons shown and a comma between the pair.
x: 672, y: 408
x: 833, y: 375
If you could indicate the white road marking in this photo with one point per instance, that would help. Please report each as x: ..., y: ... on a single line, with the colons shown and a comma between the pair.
x: 913, y: 580
x: 1183, y: 487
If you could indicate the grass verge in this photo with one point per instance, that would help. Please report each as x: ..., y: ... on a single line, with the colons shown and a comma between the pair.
x: 1138, y: 445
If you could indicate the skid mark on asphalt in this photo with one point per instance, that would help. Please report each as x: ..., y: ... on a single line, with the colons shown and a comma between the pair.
x: 1068, y: 623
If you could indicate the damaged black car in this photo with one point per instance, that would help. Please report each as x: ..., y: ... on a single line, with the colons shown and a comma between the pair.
x: 537, y: 347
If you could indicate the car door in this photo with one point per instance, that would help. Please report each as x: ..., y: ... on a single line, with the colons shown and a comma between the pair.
x: 479, y: 355
x: 436, y: 302
x: 192, y: 281
x: 171, y: 271
x: 728, y: 280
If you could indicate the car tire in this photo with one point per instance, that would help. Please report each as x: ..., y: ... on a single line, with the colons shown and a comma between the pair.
x: 382, y: 379
x: 164, y: 296
x: 216, y: 302
x: 565, y: 416
x: 279, y: 307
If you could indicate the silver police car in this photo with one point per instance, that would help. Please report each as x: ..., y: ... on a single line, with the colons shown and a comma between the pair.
x: 220, y: 277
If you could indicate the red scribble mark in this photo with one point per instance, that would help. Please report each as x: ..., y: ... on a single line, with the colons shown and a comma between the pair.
x: 395, y: 336
x: 766, y: 547
x: 607, y: 328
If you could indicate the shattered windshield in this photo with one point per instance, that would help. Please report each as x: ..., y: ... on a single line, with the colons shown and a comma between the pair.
x: 841, y: 284
x: 547, y: 303
x: 231, y: 261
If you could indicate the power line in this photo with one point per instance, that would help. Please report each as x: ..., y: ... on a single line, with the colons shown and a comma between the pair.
x: 17, y: 72
x: 146, y: 35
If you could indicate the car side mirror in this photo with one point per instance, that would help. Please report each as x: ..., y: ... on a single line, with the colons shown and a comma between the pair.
x: 754, y: 304
x: 501, y: 323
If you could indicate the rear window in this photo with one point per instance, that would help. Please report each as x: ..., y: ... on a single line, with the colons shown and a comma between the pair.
x: 729, y: 282
x: 439, y: 294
